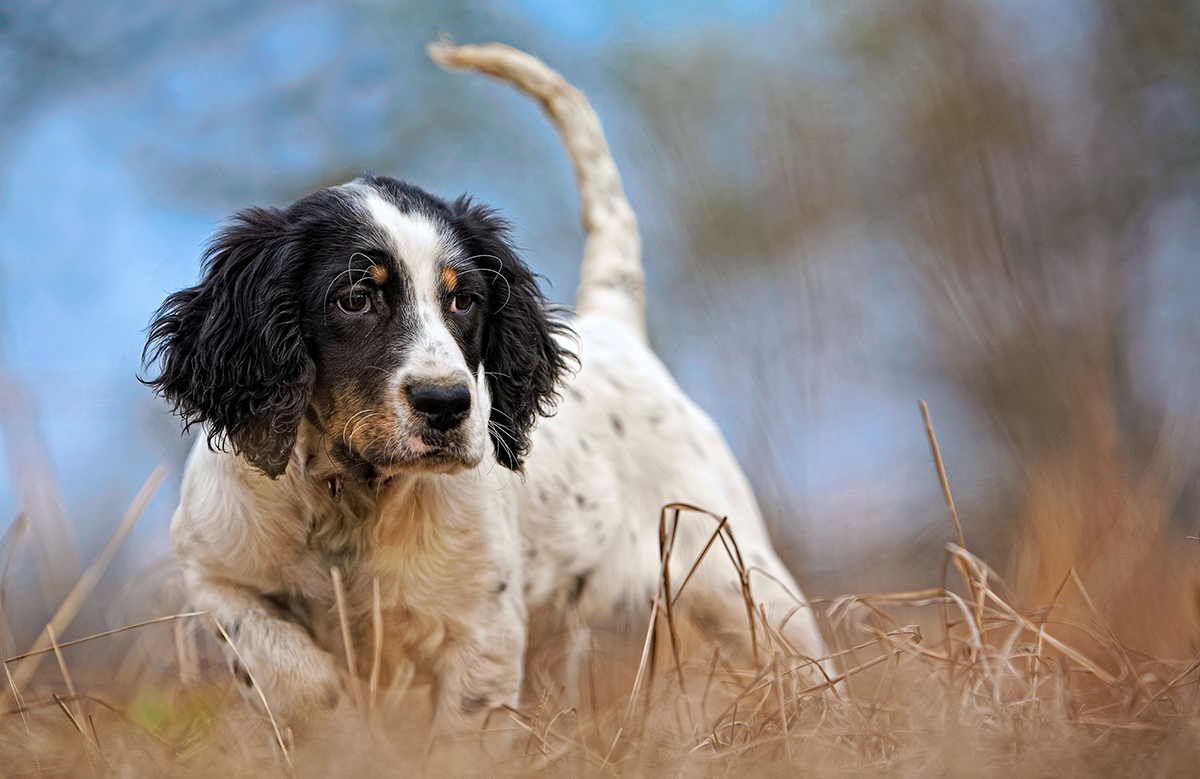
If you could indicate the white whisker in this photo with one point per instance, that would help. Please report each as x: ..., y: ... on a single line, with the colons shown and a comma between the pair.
x: 345, y: 440
x: 350, y: 273
x: 507, y: 287
x: 492, y: 425
x: 362, y: 422
x: 506, y: 416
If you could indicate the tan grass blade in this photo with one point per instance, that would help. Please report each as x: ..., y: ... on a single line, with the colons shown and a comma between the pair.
x: 66, y: 674
x: 91, y: 577
x: 646, y: 660
x: 537, y: 716
x: 55, y: 548
x: 106, y: 633
x: 158, y: 620
x: 645, y: 667
x: 949, y: 498
x: 1191, y: 668
x: 70, y: 716
x: 377, y: 646
x: 347, y: 643
x: 9, y: 545
x: 776, y: 680
x: 287, y: 753
x: 1011, y: 613
x: 941, y: 469
x: 24, y: 716
x: 95, y: 735
x: 666, y: 548
x: 699, y: 559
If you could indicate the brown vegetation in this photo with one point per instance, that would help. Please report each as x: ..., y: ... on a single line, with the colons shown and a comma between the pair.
x: 952, y: 681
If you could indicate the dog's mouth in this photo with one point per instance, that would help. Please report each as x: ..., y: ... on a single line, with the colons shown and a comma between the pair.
x: 431, y: 452
x: 427, y: 453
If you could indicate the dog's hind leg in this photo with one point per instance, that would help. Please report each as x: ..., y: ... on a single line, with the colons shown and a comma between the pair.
x: 778, y: 626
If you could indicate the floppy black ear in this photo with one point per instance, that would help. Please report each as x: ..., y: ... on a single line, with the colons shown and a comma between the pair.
x: 523, y: 360
x: 230, y: 348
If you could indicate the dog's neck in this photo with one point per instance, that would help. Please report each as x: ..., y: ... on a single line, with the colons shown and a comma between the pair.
x: 347, y: 508
x: 311, y: 456
x: 349, y: 489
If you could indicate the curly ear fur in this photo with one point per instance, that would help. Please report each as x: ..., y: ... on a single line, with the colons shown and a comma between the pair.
x: 523, y: 359
x: 230, y: 348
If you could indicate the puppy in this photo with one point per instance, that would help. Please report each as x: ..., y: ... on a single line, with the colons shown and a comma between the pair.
x: 389, y: 398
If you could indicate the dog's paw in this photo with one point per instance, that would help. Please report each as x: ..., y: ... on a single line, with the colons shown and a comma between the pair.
x: 298, y: 680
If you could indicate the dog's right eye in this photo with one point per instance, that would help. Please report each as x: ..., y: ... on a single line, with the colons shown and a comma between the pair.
x: 355, y: 303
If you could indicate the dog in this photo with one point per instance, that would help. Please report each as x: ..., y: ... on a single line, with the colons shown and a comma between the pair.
x: 414, y: 460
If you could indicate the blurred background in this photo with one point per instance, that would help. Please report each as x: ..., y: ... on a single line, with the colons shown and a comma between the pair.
x: 846, y: 206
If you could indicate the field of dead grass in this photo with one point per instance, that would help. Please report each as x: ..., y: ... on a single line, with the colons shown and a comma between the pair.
x: 953, y: 681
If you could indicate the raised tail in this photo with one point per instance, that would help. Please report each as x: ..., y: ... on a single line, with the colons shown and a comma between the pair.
x: 611, y: 281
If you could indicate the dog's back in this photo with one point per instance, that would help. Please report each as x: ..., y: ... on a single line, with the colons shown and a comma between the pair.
x: 625, y: 441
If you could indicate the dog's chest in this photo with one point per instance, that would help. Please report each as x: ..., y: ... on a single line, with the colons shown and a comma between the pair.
x: 339, y: 534
x: 417, y: 563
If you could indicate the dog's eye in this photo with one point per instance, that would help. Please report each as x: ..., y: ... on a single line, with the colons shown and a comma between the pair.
x: 461, y: 304
x: 355, y: 303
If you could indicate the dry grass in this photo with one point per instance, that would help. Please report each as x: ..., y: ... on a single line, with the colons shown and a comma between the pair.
x: 936, y: 683
x: 957, y: 680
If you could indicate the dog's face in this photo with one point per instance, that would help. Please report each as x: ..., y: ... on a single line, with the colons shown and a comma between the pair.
x: 404, y: 328
x: 394, y: 314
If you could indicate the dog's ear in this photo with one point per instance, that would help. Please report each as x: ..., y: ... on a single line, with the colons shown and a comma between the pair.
x: 523, y: 359
x: 230, y: 348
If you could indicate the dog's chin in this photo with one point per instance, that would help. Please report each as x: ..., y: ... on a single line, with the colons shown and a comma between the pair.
x: 429, y: 462
x: 414, y: 457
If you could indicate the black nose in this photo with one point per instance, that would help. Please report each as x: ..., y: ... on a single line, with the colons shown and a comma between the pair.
x: 441, y: 406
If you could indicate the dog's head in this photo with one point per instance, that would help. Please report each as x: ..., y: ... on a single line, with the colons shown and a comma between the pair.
x: 404, y: 328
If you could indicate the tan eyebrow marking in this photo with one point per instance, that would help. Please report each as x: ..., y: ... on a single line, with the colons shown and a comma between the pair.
x: 450, y: 276
x: 379, y: 273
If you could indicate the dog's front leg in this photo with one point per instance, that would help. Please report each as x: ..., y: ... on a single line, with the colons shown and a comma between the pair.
x: 297, y: 678
x: 476, y: 678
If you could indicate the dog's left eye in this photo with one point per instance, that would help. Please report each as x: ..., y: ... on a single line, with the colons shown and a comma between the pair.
x: 461, y: 304
x: 355, y: 303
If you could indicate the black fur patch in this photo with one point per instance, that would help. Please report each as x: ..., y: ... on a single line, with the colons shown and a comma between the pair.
x: 230, y: 347
x: 577, y: 590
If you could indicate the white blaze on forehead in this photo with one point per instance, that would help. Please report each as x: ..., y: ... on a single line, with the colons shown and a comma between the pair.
x: 416, y: 240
